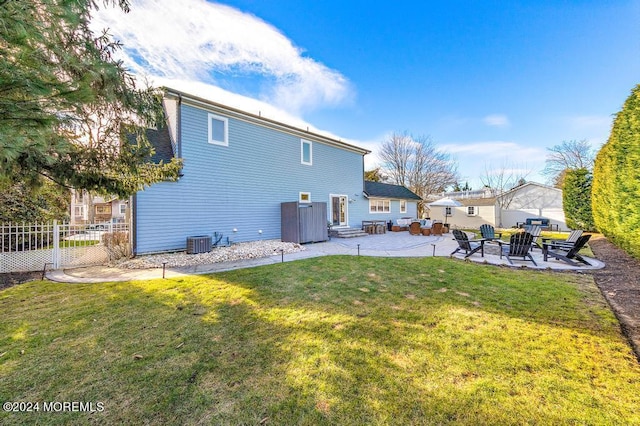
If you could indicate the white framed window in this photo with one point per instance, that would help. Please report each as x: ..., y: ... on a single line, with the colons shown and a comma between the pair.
x: 472, y: 211
x: 403, y: 206
x: 306, y: 152
x: 103, y: 209
x: 448, y: 211
x: 304, y: 197
x: 78, y: 211
x: 123, y: 208
x: 379, y: 206
x: 218, y: 130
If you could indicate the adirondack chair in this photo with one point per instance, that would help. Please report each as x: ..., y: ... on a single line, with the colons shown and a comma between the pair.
x: 566, y: 252
x: 489, y: 233
x: 570, y: 240
x: 519, y: 246
x: 535, y: 231
x: 469, y: 246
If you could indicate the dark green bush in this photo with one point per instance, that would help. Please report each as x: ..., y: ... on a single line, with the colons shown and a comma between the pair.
x: 576, y: 199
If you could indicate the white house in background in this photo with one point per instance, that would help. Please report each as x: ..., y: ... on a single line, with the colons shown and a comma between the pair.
x: 104, y: 210
x: 509, y: 209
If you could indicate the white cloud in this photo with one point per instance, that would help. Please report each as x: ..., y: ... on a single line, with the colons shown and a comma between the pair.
x: 208, y: 42
x: 496, y: 120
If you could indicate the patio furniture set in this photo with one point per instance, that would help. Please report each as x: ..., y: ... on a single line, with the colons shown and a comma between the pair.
x: 521, y: 245
x: 420, y: 227
x: 544, y: 223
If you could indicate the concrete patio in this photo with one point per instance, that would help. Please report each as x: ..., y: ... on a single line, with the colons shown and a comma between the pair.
x: 402, y: 244
x: 391, y: 244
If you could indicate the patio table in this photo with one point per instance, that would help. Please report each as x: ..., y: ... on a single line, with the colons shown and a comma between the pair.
x: 375, y: 226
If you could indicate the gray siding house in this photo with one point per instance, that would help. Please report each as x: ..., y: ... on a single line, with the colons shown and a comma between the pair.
x: 238, y: 169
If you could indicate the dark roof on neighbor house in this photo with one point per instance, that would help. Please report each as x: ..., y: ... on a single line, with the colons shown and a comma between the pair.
x: 387, y: 190
x: 160, y: 140
x: 487, y: 201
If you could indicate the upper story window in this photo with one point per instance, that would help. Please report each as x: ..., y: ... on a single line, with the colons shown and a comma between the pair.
x: 218, y: 130
x: 306, y: 152
x: 403, y: 206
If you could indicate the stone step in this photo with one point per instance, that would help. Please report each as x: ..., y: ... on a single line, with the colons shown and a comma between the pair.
x: 347, y: 233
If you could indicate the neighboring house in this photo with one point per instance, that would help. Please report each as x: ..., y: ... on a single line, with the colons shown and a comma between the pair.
x: 237, y: 170
x: 530, y: 200
x: 104, y: 210
x: 391, y: 201
x: 533, y: 200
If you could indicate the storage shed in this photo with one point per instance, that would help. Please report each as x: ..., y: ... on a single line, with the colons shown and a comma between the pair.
x: 304, y: 222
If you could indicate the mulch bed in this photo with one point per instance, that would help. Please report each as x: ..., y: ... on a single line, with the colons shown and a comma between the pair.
x: 619, y: 282
x: 13, y: 278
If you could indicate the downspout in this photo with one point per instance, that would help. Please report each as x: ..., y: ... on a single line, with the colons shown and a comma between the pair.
x: 179, y: 126
x: 133, y: 213
x: 363, y: 188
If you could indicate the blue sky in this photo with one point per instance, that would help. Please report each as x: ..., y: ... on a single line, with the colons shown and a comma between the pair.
x: 492, y: 83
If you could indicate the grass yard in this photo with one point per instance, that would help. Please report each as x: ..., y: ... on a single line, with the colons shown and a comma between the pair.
x: 331, y: 340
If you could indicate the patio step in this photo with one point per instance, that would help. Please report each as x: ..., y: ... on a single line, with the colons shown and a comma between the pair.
x: 347, y: 233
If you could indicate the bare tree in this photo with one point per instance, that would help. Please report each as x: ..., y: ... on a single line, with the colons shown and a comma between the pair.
x: 396, y: 154
x: 416, y: 162
x: 500, y: 180
x: 568, y: 155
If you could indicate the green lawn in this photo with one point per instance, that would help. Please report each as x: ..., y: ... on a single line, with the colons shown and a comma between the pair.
x: 331, y: 340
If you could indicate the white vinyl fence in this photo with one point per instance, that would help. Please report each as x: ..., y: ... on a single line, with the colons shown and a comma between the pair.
x: 556, y: 216
x: 34, y: 247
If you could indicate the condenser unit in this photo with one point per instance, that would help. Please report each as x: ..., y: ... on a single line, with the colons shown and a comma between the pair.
x: 200, y: 244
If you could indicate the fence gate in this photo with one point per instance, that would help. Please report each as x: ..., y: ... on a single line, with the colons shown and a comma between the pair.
x: 29, y: 247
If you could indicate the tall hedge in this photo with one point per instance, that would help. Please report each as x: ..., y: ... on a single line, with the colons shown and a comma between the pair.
x: 616, y: 179
x: 576, y: 199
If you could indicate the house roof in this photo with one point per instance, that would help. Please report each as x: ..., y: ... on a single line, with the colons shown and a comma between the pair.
x: 258, y: 119
x: 519, y: 187
x: 386, y: 190
x: 161, y: 141
x: 486, y: 201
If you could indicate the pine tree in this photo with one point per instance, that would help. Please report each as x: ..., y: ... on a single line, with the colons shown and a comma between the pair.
x: 55, y: 74
x: 576, y: 199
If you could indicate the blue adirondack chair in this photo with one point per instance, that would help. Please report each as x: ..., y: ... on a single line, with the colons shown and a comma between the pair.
x: 488, y: 232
